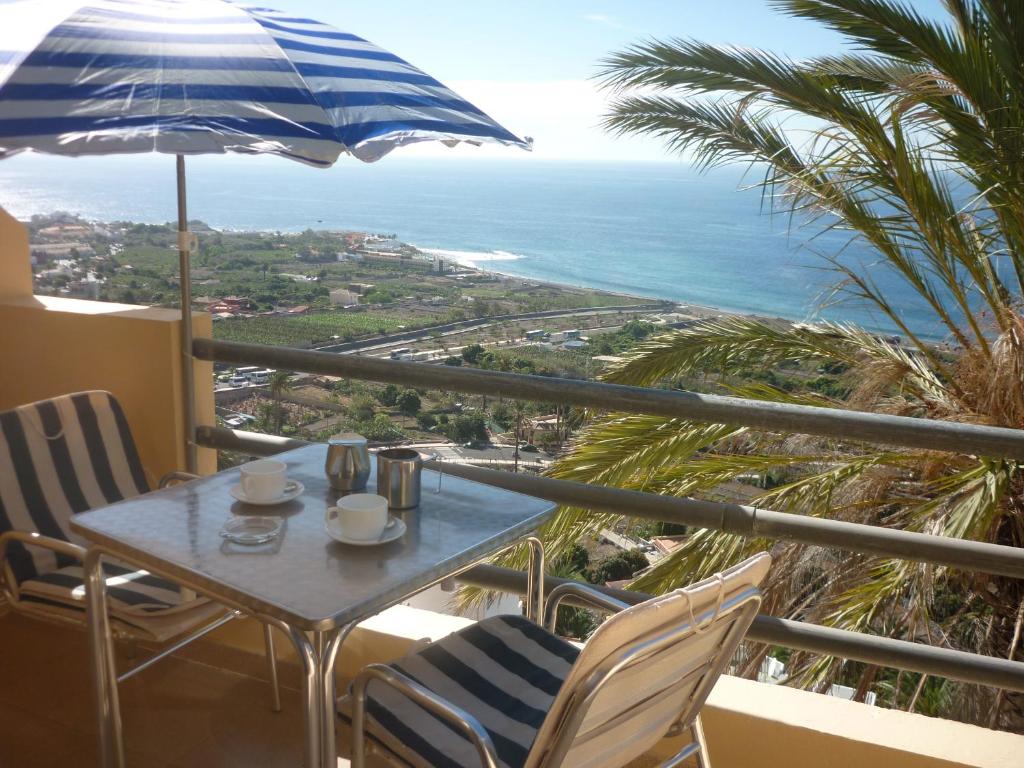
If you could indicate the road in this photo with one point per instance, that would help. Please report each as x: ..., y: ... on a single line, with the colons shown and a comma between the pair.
x: 466, y: 326
x: 503, y: 455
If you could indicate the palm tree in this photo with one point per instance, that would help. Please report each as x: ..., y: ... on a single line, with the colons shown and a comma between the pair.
x: 518, y: 412
x: 280, y: 385
x: 913, y: 143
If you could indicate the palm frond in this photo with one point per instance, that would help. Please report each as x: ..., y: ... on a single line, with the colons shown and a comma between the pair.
x: 913, y: 150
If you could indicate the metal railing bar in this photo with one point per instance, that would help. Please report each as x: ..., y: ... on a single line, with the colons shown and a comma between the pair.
x: 757, y: 414
x: 755, y: 523
x: 742, y: 520
x: 253, y: 443
x: 883, y: 651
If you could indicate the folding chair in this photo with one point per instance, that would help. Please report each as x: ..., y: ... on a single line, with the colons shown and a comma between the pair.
x: 506, y: 692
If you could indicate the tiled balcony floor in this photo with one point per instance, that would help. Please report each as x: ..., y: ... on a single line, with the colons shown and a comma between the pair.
x: 177, y: 713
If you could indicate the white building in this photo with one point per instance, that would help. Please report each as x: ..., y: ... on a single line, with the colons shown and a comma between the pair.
x: 341, y: 297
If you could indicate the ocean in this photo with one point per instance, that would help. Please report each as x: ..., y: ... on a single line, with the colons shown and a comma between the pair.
x: 657, y: 229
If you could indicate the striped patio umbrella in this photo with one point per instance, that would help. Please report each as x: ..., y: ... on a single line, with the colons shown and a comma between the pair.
x: 211, y: 76
x: 201, y: 76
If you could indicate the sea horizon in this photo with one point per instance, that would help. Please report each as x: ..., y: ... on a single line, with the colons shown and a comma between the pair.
x: 654, y: 230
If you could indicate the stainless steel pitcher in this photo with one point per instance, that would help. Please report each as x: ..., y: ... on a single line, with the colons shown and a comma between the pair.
x: 348, y: 462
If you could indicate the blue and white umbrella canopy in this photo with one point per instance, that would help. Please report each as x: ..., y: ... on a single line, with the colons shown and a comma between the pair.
x: 191, y: 77
x: 210, y: 76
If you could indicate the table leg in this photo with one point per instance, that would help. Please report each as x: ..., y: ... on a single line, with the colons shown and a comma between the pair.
x: 104, y: 672
x: 332, y: 647
x: 535, y: 581
x: 331, y: 643
x: 275, y: 687
x: 311, y: 698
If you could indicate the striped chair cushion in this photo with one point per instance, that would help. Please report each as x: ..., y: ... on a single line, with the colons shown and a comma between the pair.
x: 504, y: 670
x: 59, y: 457
x: 130, y: 592
x: 144, y: 604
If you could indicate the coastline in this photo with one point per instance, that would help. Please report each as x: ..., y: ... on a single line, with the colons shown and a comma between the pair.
x: 660, y: 232
x: 682, y: 306
x: 699, y: 311
x: 497, y: 265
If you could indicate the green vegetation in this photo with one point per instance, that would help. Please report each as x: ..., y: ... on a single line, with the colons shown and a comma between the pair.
x: 409, y: 402
x: 466, y: 427
x: 915, y: 140
x: 617, y: 567
x: 319, y: 327
x: 623, y: 339
x: 388, y: 395
x: 379, y: 429
x: 573, y: 622
x: 280, y: 385
x: 541, y: 361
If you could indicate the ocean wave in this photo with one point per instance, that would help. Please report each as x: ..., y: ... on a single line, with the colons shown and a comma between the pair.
x: 472, y: 259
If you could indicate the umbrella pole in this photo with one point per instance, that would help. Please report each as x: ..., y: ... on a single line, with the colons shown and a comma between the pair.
x: 185, y: 244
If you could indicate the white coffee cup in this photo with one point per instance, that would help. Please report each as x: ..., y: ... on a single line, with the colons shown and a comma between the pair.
x: 358, y: 516
x: 264, y: 480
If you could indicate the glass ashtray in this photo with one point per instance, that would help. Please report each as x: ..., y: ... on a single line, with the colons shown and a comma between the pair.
x: 251, y: 530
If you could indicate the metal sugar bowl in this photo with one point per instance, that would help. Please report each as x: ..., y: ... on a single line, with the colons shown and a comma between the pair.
x: 398, y: 477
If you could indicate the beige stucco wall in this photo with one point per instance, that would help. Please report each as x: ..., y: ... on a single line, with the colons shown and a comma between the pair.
x: 15, y: 267
x: 51, y: 346
x: 749, y: 723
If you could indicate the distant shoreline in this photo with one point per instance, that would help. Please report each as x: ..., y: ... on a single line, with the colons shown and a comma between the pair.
x: 489, y: 263
x: 701, y: 311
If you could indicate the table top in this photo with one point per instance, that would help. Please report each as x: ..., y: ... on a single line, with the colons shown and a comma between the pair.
x: 304, y: 577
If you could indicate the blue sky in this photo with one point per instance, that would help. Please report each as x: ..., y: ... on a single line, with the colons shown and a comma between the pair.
x: 529, y: 63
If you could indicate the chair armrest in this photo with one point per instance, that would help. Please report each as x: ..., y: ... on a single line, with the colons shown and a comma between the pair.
x: 429, y: 700
x: 38, y: 540
x: 177, y: 476
x: 10, y: 590
x: 583, y: 593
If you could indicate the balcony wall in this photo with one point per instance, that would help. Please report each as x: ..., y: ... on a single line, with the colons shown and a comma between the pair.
x: 52, y: 346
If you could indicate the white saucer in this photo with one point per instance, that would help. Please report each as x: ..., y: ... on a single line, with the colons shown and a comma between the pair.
x: 292, y: 489
x: 395, y: 529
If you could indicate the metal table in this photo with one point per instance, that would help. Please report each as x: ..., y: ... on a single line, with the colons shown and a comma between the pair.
x: 310, y: 587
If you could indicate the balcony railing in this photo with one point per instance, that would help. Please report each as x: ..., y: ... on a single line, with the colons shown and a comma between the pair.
x: 733, y: 518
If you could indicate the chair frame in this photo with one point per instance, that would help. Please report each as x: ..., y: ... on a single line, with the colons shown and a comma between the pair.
x: 747, y: 603
x: 120, y: 630
x: 430, y: 701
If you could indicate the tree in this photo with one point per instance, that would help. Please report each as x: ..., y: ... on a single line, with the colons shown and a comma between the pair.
x: 577, y: 557
x: 502, y: 415
x: 380, y: 429
x: 471, y: 354
x: 617, y: 567
x: 426, y: 421
x: 911, y: 142
x: 361, y: 407
x: 518, y: 412
x: 388, y: 396
x: 280, y: 385
x: 466, y: 427
x: 408, y: 402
